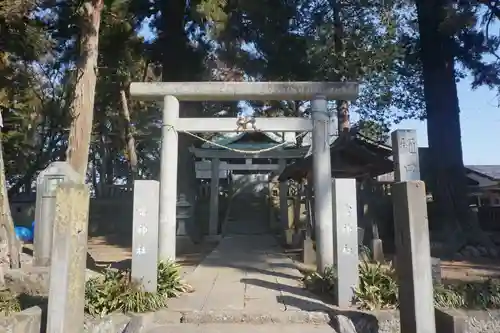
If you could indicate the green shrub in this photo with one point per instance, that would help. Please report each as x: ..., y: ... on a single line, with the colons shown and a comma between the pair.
x: 169, y: 280
x: 378, y: 289
x: 472, y: 295
x: 117, y: 292
x: 321, y: 283
x: 9, y: 303
x: 448, y: 297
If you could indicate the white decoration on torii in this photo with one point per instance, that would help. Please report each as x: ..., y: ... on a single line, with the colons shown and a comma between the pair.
x: 142, y: 230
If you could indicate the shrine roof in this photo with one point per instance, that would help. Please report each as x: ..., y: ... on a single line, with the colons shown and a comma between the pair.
x: 352, y: 156
x: 489, y: 171
x: 256, y: 139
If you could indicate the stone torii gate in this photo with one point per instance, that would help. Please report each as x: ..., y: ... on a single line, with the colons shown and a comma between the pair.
x: 318, y: 92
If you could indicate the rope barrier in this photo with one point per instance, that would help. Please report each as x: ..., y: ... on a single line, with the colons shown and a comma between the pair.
x: 264, y: 150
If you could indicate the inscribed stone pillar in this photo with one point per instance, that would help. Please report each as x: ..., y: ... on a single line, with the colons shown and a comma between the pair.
x: 145, y: 233
x: 345, y: 224
x: 46, y: 184
x: 414, y: 261
x: 213, y: 226
x: 405, y: 150
x: 69, y: 258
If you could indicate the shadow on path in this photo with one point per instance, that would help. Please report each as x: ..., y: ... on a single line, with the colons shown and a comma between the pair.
x: 299, y: 299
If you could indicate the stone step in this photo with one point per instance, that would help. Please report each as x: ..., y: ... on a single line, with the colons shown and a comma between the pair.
x: 167, y: 321
x: 242, y: 328
x: 247, y: 317
x: 236, y: 316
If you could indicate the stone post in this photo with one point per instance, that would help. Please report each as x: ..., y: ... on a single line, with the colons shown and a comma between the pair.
x: 145, y: 233
x: 273, y: 203
x: 213, y: 226
x: 322, y: 175
x: 46, y: 184
x: 345, y: 222
x: 283, y: 193
x: 413, y: 265
x: 290, y: 218
x: 405, y: 150
x: 69, y: 257
x: 309, y: 253
x: 167, y: 231
x: 370, y: 220
x: 296, y: 224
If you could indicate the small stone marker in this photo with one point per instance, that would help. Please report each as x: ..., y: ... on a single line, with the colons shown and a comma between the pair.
x: 345, y: 223
x: 405, y: 150
x: 413, y: 266
x: 378, y: 250
x: 46, y: 185
x: 145, y: 233
x: 283, y: 198
x: 213, y: 224
x: 308, y: 251
x: 436, y: 270
x: 69, y: 257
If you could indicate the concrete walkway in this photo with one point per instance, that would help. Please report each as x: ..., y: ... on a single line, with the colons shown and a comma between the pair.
x: 248, y: 276
x: 248, y: 285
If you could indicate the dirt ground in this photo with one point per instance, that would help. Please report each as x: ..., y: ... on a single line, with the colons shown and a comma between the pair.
x: 470, y: 270
x: 451, y: 271
x: 106, y: 252
x: 111, y: 251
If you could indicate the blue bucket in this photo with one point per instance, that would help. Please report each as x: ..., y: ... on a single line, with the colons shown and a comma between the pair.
x: 24, y: 234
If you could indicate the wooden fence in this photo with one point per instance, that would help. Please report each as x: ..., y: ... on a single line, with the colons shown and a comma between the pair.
x: 489, y: 218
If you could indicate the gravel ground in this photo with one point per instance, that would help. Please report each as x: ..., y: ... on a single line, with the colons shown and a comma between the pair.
x: 473, y: 326
x: 483, y: 326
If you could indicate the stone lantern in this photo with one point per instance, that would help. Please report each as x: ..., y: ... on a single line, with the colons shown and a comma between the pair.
x: 184, y: 213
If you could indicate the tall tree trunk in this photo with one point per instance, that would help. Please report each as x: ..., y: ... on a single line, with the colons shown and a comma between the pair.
x: 182, y: 65
x: 109, y: 160
x: 448, y: 185
x: 82, y: 105
x: 344, y: 122
x: 97, y: 191
x: 341, y: 106
x: 129, y: 137
x: 299, y: 137
x: 11, y: 247
x: 103, y: 165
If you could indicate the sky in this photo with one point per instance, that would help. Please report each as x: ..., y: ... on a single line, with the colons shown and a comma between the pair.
x: 480, y: 123
x: 479, y: 117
